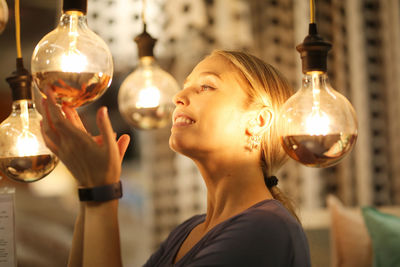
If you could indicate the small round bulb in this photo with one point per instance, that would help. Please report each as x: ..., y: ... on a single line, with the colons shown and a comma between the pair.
x: 24, y: 156
x: 72, y: 61
x: 145, y: 96
x: 319, y: 125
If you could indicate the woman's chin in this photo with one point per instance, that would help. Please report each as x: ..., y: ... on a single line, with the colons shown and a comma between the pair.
x: 181, y: 146
x: 176, y: 144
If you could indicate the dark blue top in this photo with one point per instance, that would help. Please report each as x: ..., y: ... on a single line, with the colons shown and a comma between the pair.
x: 265, y: 234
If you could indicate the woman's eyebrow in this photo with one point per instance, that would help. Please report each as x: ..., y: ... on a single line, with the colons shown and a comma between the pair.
x: 206, y: 73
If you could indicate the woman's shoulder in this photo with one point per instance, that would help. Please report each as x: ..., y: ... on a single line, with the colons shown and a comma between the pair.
x: 269, y: 213
x: 271, y: 220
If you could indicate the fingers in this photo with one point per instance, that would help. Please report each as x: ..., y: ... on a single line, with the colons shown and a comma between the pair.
x: 73, y: 116
x: 46, y: 125
x: 37, y: 96
x: 99, y: 139
x: 53, y: 112
x: 123, y: 143
x: 105, y: 127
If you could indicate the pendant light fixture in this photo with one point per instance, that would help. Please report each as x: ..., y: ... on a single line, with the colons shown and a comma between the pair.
x: 319, y: 125
x: 145, y: 96
x: 23, y: 153
x: 3, y: 15
x: 72, y: 60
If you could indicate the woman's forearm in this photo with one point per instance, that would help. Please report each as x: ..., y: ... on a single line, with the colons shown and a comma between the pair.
x: 76, y: 253
x: 101, y: 244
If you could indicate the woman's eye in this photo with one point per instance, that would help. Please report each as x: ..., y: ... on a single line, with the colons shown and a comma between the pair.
x: 205, y: 87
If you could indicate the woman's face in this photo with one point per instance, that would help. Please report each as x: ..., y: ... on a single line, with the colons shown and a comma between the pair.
x: 210, y: 113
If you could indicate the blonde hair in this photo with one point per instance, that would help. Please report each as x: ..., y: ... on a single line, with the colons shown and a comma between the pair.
x: 267, y: 88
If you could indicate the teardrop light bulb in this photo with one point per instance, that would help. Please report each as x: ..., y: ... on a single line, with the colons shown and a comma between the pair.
x: 72, y: 60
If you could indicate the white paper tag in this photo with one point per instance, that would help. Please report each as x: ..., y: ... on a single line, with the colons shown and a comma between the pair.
x: 7, y: 228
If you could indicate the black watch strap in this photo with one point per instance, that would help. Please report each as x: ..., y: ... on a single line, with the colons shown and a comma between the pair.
x: 101, y: 193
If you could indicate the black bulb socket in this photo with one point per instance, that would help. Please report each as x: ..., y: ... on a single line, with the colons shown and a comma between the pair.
x: 75, y: 5
x: 145, y: 43
x: 314, y: 51
x: 20, y: 82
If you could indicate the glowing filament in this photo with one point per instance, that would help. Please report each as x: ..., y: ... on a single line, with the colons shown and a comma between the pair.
x: 317, y: 123
x: 27, y: 144
x: 149, y: 97
x: 73, y: 61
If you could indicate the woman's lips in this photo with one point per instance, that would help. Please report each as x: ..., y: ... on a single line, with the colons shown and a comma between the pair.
x: 183, y: 120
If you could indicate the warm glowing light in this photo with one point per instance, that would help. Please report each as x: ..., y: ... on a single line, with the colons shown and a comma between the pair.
x: 149, y: 97
x: 27, y: 144
x: 317, y: 123
x: 73, y: 61
x: 144, y: 98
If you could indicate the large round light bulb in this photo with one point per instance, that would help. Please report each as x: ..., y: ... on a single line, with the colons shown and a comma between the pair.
x: 3, y: 15
x: 72, y: 61
x: 145, y: 96
x: 319, y: 125
x: 23, y: 153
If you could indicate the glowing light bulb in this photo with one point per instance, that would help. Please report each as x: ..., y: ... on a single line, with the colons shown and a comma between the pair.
x: 23, y: 152
x: 145, y: 96
x: 72, y: 60
x: 3, y: 15
x: 319, y: 126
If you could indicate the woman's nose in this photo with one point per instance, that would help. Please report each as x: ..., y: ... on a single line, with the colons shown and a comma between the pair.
x: 181, y: 98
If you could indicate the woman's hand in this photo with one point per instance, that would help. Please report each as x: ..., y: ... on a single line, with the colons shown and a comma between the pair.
x: 93, y: 161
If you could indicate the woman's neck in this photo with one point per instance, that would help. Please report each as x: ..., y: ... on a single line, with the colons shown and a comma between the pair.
x: 233, y: 185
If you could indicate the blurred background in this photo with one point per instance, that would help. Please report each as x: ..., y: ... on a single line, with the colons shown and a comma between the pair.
x: 161, y: 188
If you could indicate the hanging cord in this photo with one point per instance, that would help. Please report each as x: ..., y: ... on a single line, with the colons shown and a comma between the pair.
x: 312, y: 11
x: 144, y: 13
x: 17, y: 29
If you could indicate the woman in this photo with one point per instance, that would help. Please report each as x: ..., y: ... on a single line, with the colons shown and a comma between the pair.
x: 225, y: 121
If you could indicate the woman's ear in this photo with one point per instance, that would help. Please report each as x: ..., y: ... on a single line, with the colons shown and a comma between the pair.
x: 261, y: 121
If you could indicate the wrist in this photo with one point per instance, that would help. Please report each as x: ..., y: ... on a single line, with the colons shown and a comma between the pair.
x: 102, y: 193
